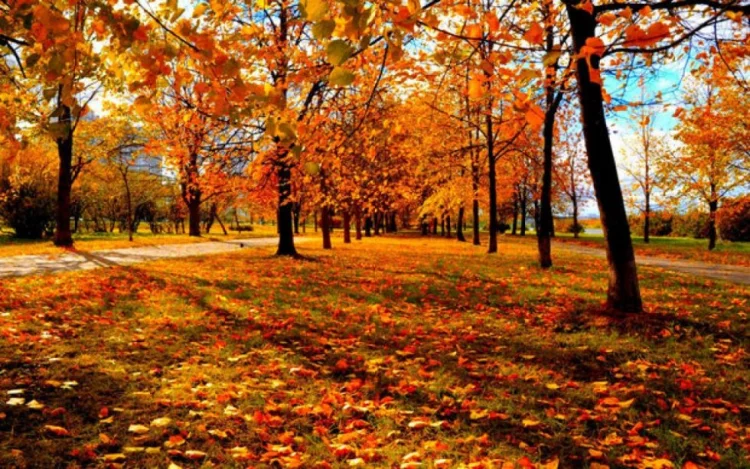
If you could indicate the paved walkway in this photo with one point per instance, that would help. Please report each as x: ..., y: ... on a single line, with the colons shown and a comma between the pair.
x: 81, y: 260
x: 729, y: 273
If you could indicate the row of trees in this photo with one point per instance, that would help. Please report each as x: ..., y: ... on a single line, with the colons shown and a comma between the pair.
x: 326, y: 102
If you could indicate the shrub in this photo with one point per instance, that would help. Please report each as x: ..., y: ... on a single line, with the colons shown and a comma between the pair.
x: 29, y: 208
x: 734, y: 219
x: 693, y: 224
x: 567, y: 226
x: 660, y: 223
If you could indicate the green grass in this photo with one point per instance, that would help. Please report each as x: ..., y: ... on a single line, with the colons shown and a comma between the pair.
x: 12, y: 246
x: 377, y: 351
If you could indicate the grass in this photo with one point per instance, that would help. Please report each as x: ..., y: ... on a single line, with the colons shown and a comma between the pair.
x: 11, y: 246
x: 726, y: 252
x: 386, y: 353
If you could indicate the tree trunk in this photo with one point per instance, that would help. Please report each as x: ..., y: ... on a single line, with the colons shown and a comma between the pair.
x: 211, y: 216
x: 434, y: 225
x: 492, y: 247
x: 524, y: 201
x: 284, y: 213
x: 296, y: 212
x: 448, y: 226
x: 129, y: 204
x: 623, y: 293
x: 63, y: 236
x: 221, y: 223
x: 514, y: 229
x: 377, y: 223
x: 647, y: 219
x: 475, y: 201
x: 576, y: 228
x: 460, y: 225
x: 544, y: 225
x: 368, y: 226
x: 713, y: 206
x: 394, y: 225
x: 315, y: 221
x: 442, y: 225
x: 358, y: 224
x: 347, y: 227
x: 194, y: 213
x: 325, y: 226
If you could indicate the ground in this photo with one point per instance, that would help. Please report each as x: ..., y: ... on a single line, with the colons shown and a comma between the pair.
x: 726, y: 252
x: 11, y: 246
x: 385, y: 353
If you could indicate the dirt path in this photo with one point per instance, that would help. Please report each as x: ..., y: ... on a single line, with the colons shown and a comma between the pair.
x: 729, y: 273
x: 81, y: 260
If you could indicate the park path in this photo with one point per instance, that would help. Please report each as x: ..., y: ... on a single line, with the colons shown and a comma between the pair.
x: 729, y: 273
x: 14, y: 266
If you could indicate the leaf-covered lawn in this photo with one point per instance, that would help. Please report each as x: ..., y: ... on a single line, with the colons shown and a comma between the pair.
x: 391, y: 352
x: 10, y: 246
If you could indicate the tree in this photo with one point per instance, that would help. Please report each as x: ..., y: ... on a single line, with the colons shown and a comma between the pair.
x: 712, y: 162
x: 643, y: 153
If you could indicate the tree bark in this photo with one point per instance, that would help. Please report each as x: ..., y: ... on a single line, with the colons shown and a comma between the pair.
x: 448, y: 226
x: 460, y: 225
x: 514, y: 228
x: 129, y: 202
x: 576, y: 228
x: 347, y: 227
x: 194, y: 214
x: 492, y: 247
x: 296, y: 213
x: 713, y: 206
x: 284, y: 213
x: 325, y: 226
x: 358, y: 224
x: 647, y: 219
x: 475, y: 199
x: 63, y: 235
x: 623, y: 293
x: 524, y: 201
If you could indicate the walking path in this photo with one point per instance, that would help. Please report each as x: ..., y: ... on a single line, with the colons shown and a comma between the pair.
x: 80, y: 260
x: 729, y: 273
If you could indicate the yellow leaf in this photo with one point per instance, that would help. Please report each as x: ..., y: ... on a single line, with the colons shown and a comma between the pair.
x: 200, y: 9
x: 529, y: 423
x: 341, y: 77
x: 315, y: 10
x: 338, y: 52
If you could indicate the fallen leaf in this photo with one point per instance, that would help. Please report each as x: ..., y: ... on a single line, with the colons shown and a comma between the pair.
x: 59, y: 431
x: 138, y: 429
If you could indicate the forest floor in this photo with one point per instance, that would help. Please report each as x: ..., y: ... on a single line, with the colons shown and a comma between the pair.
x: 394, y: 352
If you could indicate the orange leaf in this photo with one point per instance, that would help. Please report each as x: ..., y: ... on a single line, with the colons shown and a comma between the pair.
x: 535, y: 34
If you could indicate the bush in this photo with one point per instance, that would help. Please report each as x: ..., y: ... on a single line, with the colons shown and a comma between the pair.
x: 660, y: 223
x: 28, y: 208
x: 734, y: 219
x: 693, y: 224
x: 567, y: 226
